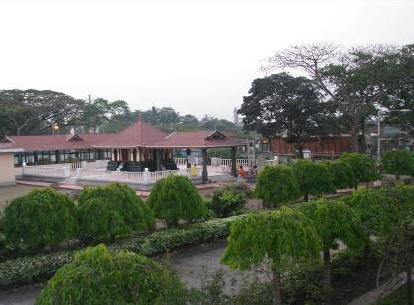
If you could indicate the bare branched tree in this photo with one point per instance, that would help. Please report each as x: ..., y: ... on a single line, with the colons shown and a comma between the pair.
x: 310, y: 58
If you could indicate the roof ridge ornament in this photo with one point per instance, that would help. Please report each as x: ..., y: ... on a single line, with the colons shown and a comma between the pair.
x: 74, y: 137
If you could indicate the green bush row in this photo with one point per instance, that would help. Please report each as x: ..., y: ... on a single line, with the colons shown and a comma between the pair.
x: 281, y: 184
x: 26, y: 270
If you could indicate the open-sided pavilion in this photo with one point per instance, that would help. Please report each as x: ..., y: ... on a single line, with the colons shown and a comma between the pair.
x: 136, y: 148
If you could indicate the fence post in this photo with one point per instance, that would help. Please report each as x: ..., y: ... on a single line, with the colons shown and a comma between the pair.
x: 146, y: 176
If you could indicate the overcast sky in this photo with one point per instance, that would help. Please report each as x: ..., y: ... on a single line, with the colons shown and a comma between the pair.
x: 198, y: 57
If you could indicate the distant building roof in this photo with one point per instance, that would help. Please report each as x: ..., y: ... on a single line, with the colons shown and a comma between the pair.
x: 139, y: 134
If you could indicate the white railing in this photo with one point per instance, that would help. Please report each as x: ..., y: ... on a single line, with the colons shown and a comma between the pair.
x: 227, y: 162
x: 133, y: 177
x: 180, y: 161
x: 270, y: 162
x: 45, y: 171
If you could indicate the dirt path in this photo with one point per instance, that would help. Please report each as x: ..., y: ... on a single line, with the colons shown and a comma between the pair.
x: 371, y: 297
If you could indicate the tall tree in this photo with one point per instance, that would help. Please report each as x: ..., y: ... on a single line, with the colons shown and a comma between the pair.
x: 100, y: 111
x: 351, y: 81
x: 283, y: 105
x: 400, y: 89
x: 35, y: 112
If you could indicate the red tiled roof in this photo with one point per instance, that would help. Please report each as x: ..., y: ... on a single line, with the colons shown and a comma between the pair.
x: 56, y: 142
x: 138, y: 134
x: 197, y: 139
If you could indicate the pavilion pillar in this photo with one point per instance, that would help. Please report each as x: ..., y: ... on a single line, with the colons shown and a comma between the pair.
x: 204, y: 174
x: 158, y: 159
x: 233, y: 162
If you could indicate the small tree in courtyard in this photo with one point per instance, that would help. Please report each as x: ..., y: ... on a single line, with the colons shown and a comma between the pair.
x: 97, y: 276
x: 40, y: 218
x: 112, y: 210
x: 341, y: 174
x: 226, y: 202
x: 363, y: 166
x: 175, y: 198
x: 398, y: 162
x: 277, y: 185
x: 283, y: 236
x: 313, y: 178
x: 334, y: 221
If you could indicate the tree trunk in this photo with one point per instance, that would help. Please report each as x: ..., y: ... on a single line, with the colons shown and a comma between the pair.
x: 327, y: 276
x: 354, y: 139
x: 306, y: 197
x: 409, y: 285
x: 276, y: 287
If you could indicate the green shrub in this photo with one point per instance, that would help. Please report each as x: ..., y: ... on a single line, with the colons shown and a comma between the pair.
x: 376, y: 210
x: 175, y: 198
x: 313, y: 178
x: 97, y: 276
x: 115, y: 209
x: 40, y: 218
x: 277, y: 185
x: 26, y: 270
x: 341, y: 174
x: 363, y: 166
x: 226, y: 202
x: 398, y: 162
x: 241, y: 188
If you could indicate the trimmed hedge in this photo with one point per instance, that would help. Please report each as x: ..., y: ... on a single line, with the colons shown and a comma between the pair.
x: 175, y: 198
x: 40, y: 218
x: 112, y: 210
x: 398, y: 162
x: 341, y: 174
x: 118, y: 278
x: 26, y: 270
x: 313, y: 178
x: 277, y: 185
x: 363, y: 166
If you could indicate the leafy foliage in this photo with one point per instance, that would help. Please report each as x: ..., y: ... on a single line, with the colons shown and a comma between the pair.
x: 363, y: 166
x: 240, y: 188
x: 103, y: 277
x: 277, y: 185
x: 313, y: 178
x: 398, y: 162
x: 334, y: 221
x: 40, y: 218
x: 282, y: 235
x: 282, y: 103
x: 376, y: 210
x: 115, y: 209
x: 29, y: 269
x: 225, y: 202
x: 341, y: 174
x: 175, y: 198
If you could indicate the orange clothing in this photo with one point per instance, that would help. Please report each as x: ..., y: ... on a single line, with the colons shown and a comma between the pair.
x: 242, y: 173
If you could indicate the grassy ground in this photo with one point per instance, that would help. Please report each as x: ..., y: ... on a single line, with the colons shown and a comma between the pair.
x: 396, y: 298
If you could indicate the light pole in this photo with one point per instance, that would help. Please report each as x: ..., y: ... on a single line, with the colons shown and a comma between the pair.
x: 55, y: 128
x: 378, y: 137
